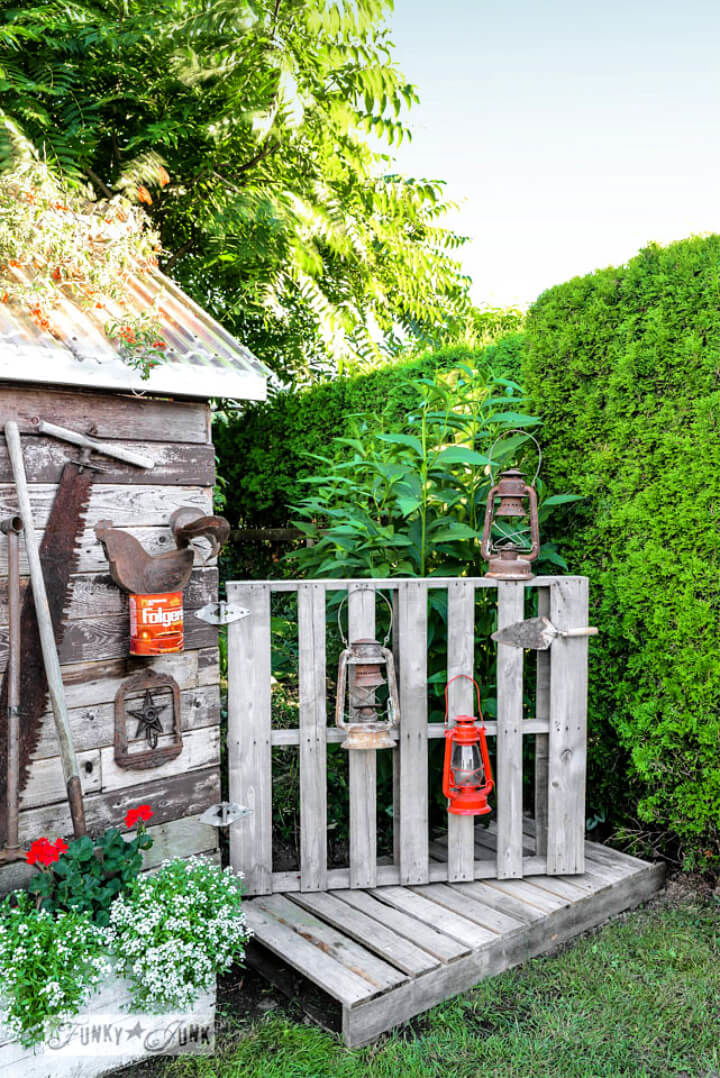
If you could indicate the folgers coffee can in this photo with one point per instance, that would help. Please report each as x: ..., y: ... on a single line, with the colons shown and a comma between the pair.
x: 156, y: 623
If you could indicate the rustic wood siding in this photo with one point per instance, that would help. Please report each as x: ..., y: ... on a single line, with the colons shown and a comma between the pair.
x: 94, y: 649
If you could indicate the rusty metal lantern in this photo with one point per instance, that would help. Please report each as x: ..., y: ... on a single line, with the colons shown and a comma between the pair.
x: 509, y: 557
x: 467, y: 775
x: 360, y: 678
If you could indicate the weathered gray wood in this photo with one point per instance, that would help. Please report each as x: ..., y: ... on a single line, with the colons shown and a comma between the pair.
x: 568, y: 729
x: 108, y: 638
x: 313, y: 722
x: 397, y: 659
x: 106, y: 416
x: 171, y: 797
x: 95, y: 595
x: 201, y: 748
x: 394, y: 582
x: 461, y: 660
x: 46, y: 782
x: 542, y: 711
x: 131, y: 506
x: 93, y: 726
x: 321, y: 968
x: 362, y: 765
x: 248, y: 741
x: 457, y: 902
x: 434, y: 732
x: 364, y: 1022
x: 91, y: 559
x: 524, y: 891
x: 412, y: 634
x: 424, y: 908
x: 502, y: 903
x: 191, y: 464
x: 373, y: 934
x: 511, y: 605
x: 477, y: 909
x: 441, y: 946
x: 380, y: 975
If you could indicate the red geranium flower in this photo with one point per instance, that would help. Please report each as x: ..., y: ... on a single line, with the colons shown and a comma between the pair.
x: 142, y: 812
x: 44, y: 852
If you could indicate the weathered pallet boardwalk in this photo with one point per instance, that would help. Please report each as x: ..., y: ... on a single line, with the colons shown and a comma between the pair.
x: 384, y: 954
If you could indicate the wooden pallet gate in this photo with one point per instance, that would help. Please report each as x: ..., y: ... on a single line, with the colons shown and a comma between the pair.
x: 380, y: 939
x: 558, y: 726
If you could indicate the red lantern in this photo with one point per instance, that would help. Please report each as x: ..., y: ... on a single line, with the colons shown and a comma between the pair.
x: 467, y: 775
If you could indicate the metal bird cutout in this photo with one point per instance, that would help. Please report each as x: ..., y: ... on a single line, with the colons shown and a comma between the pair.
x: 140, y: 573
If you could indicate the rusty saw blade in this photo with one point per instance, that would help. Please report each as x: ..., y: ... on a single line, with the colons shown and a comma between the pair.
x: 59, y: 557
x: 537, y: 634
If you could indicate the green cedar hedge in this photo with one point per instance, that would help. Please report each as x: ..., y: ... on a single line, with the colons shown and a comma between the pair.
x: 263, y: 451
x: 624, y: 367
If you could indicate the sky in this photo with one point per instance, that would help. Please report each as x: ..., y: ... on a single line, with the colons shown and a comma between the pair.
x: 572, y: 133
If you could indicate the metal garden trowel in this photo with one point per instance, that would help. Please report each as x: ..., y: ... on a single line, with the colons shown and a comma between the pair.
x: 537, y: 634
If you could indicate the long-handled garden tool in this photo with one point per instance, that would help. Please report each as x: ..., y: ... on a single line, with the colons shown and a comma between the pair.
x: 12, y: 527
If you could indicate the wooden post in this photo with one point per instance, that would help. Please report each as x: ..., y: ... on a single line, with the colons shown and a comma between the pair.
x: 249, y: 731
x: 461, y: 697
x: 412, y: 632
x: 313, y: 733
x: 511, y: 607
x: 363, y: 762
x: 568, y: 722
x: 542, y: 711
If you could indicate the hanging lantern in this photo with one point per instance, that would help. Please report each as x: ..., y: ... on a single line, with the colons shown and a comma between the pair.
x: 467, y: 775
x: 366, y: 718
x: 509, y: 557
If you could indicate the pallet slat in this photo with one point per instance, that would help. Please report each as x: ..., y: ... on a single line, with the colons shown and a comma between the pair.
x: 372, y: 934
x: 249, y: 723
x: 511, y: 606
x: 443, y: 947
x: 313, y: 721
x: 460, y: 660
x: 542, y: 711
x: 568, y: 729
x: 362, y: 765
x: 423, y: 908
x: 412, y: 634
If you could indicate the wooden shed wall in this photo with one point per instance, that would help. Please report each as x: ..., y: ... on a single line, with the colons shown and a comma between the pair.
x: 94, y: 649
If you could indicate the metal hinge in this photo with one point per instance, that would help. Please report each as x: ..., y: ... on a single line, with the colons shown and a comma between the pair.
x: 222, y: 613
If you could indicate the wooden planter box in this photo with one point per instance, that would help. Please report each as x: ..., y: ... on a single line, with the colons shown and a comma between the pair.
x: 134, y: 1029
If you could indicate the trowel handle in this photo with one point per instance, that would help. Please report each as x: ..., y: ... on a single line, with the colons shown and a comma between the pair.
x: 589, y: 630
x: 73, y: 436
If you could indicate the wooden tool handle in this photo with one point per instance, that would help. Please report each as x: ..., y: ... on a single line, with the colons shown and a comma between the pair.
x: 56, y: 690
x: 73, y: 436
x: 589, y: 630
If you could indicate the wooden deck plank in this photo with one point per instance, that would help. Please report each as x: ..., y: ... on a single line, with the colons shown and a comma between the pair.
x: 525, y: 891
x: 374, y: 935
x: 437, y: 944
x: 248, y: 739
x: 362, y: 765
x: 313, y: 723
x: 502, y: 902
x: 466, y: 905
x: 424, y: 908
x: 480, y: 909
x: 317, y: 966
x: 568, y: 729
x: 460, y: 660
x: 509, y: 744
x: 412, y: 634
x: 379, y: 974
x: 365, y: 1022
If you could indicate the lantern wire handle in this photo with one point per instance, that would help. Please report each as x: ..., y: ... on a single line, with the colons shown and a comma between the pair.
x: 477, y: 693
x: 527, y: 434
x: 366, y: 587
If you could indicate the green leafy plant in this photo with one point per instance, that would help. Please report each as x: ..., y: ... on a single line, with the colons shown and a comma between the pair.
x: 50, y: 963
x: 173, y: 931
x: 84, y: 876
x: 412, y: 501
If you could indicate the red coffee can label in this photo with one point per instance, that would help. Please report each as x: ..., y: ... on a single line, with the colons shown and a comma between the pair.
x: 156, y: 623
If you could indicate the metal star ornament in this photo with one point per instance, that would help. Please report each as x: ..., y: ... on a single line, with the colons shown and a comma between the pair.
x: 148, y: 717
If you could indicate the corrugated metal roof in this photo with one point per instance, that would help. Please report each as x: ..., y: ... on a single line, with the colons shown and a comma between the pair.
x: 201, y: 358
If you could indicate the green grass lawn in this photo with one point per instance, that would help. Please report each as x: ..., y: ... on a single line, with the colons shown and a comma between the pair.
x: 639, y: 997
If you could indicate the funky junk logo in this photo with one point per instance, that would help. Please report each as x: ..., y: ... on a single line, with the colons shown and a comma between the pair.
x: 134, y: 1035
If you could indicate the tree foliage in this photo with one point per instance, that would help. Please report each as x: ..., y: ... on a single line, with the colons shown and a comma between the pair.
x: 282, y: 215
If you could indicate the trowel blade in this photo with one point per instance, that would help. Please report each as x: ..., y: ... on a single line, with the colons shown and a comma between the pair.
x: 535, y: 633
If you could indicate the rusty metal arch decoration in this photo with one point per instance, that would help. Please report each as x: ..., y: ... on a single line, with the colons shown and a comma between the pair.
x: 148, y: 681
